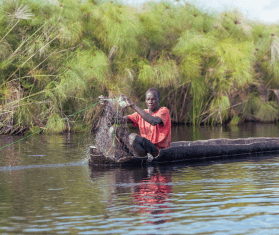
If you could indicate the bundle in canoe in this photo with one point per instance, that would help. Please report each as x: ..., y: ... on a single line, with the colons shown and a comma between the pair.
x: 195, y: 151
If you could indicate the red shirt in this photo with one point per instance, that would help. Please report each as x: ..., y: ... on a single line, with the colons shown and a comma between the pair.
x: 160, y: 134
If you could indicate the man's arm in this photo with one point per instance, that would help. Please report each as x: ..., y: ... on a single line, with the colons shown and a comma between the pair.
x: 146, y: 116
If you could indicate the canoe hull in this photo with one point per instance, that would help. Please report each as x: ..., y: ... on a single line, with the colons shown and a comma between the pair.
x: 201, y: 150
x: 97, y: 158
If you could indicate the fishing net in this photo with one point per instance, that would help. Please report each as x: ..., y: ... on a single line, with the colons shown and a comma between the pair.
x: 113, y: 132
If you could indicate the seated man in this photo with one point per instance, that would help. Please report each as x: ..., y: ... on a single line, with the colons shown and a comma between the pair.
x: 154, y: 125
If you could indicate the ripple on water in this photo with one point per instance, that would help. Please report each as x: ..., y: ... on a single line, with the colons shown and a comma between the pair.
x: 51, y: 191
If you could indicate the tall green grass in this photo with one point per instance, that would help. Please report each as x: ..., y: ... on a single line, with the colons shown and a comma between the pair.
x: 57, y: 57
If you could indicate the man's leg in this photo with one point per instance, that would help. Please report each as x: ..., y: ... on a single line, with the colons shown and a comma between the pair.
x: 141, y: 146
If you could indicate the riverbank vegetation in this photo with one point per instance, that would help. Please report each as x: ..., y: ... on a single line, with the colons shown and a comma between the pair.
x: 57, y: 57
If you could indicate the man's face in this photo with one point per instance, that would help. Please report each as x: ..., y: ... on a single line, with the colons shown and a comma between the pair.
x: 152, y: 101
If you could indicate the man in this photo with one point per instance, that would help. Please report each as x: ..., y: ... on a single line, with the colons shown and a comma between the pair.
x: 154, y: 124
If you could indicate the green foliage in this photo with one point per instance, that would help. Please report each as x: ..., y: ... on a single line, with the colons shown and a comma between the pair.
x: 192, y: 42
x: 24, y: 115
x: 235, y: 64
x: 163, y: 73
x: 116, y: 26
x: 80, y: 127
x: 87, y: 65
x: 235, y: 121
x: 191, y: 67
x: 258, y: 109
x: 232, y: 24
x: 55, y: 124
x: 219, y: 107
x: 57, y: 58
x: 200, y: 95
x: 33, y: 130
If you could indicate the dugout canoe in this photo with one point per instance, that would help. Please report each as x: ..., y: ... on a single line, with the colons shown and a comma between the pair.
x: 196, y: 151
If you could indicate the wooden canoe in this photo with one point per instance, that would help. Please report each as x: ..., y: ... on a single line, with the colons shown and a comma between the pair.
x: 196, y: 151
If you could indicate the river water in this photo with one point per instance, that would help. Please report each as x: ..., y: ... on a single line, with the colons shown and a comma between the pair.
x: 47, y: 187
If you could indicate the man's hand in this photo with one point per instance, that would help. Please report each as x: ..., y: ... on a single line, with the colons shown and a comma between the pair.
x: 103, y: 100
x: 125, y: 102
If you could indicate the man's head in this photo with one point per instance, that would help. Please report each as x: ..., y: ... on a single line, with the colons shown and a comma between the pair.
x: 152, y: 99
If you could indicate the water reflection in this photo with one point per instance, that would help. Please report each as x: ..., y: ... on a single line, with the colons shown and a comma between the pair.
x: 149, y: 187
x: 46, y: 189
x: 152, y: 195
x: 10, y: 157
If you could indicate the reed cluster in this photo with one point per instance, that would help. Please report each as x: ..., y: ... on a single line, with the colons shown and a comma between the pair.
x: 57, y: 57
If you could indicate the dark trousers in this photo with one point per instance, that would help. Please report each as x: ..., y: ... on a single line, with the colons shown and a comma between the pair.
x: 143, y: 146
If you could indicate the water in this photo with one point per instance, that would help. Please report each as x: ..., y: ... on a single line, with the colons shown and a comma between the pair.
x: 46, y: 187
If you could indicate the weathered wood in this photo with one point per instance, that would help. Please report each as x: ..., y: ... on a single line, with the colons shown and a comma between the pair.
x: 200, y: 150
